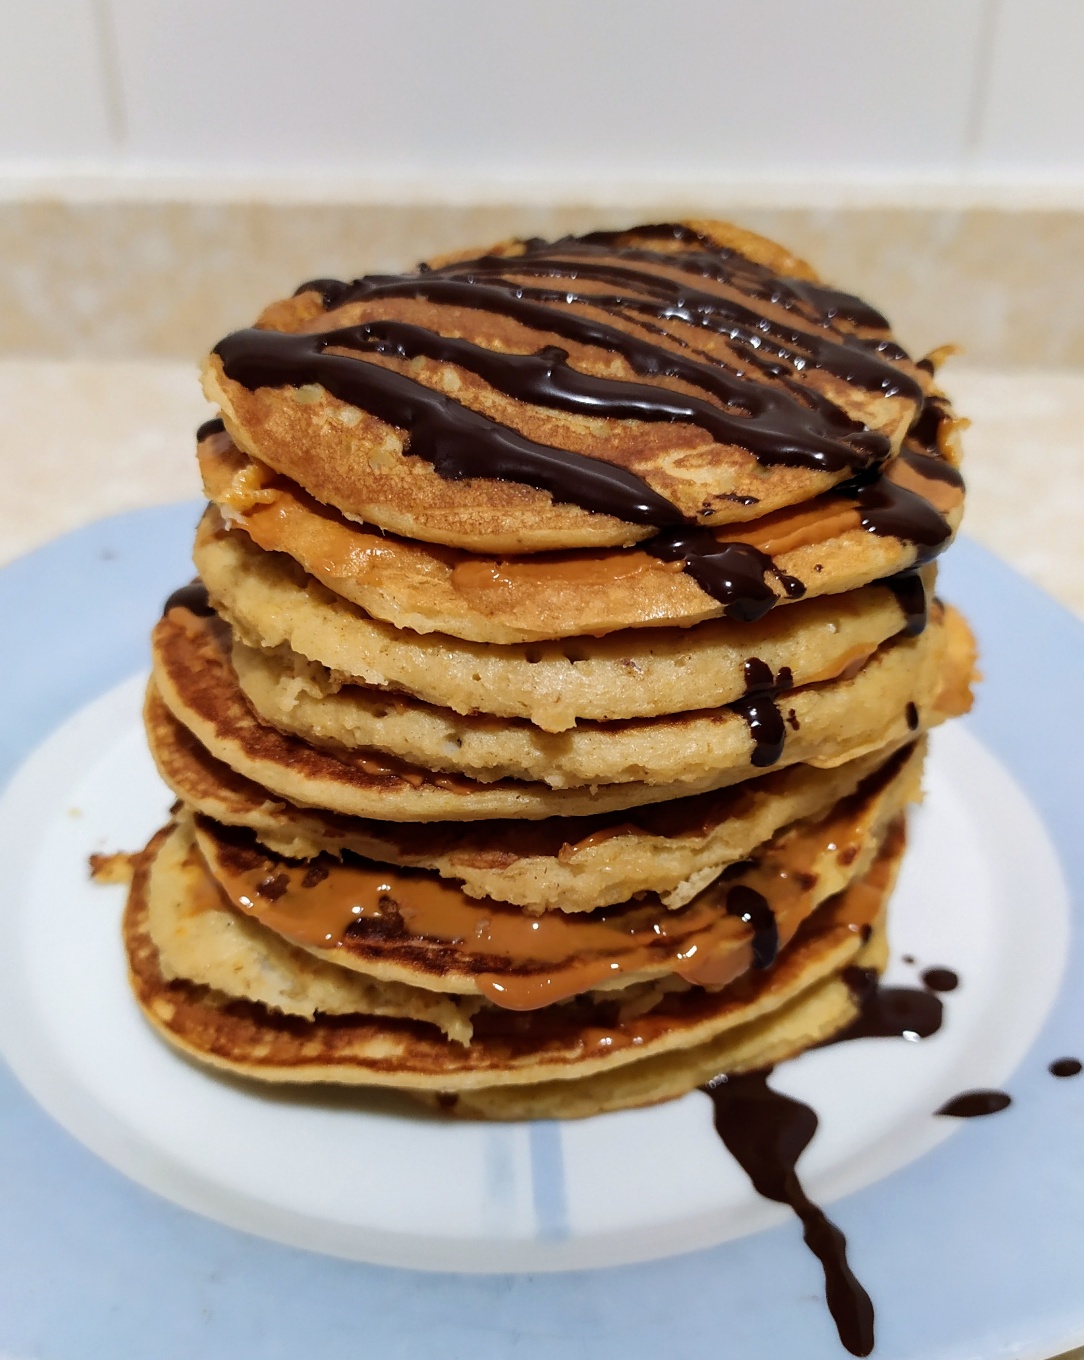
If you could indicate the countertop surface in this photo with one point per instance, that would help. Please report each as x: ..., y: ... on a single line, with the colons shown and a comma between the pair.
x: 81, y: 440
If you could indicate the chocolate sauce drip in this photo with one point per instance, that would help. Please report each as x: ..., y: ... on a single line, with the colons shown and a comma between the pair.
x: 752, y: 907
x: 792, y: 587
x: 910, y: 592
x: 192, y: 597
x: 975, y: 1104
x: 458, y: 442
x: 732, y: 573
x: 760, y: 711
x: 209, y: 427
x: 766, y: 1133
x: 933, y: 466
x: 940, y: 980
x: 888, y: 1012
x: 1066, y: 1067
x: 891, y: 511
x: 926, y: 424
x: 911, y: 714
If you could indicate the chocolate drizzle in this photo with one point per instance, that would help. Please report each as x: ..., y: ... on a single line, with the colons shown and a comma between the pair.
x: 760, y: 711
x: 216, y: 425
x: 778, y: 425
x: 766, y: 1133
x: 192, y: 597
x: 975, y: 1104
x: 664, y: 319
x: 815, y: 301
x: 752, y: 907
x: 750, y: 331
x: 732, y: 573
x: 929, y: 465
x: 1066, y: 1067
x: 910, y: 591
x: 458, y: 442
x: 890, y: 510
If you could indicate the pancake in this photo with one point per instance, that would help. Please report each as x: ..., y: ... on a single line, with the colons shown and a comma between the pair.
x: 837, y: 721
x: 270, y: 603
x: 412, y: 927
x: 198, y: 937
x: 569, y: 395
x: 822, y: 547
x: 571, y: 864
x: 556, y: 1048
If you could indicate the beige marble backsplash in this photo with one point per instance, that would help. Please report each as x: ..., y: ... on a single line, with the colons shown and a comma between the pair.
x: 156, y: 280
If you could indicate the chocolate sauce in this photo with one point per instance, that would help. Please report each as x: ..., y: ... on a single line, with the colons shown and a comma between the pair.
x: 671, y: 300
x: 766, y: 1133
x: 779, y: 422
x: 975, y: 1104
x: 458, y: 442
x: 892, y: 511
x: 209, y: 427
x: 792, y: 587
x: 910, y: 591
x: 731, y: 266
x: 760, y: 711
x: 940, y: 980
x: 774, y: 426
x: 888, y: 1012
x: 732, y: 573
x: 911, y: 714
x: 544, y: 378
x: 192, y: 597
x: 1066, y: 1067
x: 752, y: 907
x: 930, y: 465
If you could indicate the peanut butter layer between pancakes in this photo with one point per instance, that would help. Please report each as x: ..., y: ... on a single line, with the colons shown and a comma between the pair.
x: 836, y: 722
x: 198, y: 938
x: 562, y: 1044
x: 414, y: 927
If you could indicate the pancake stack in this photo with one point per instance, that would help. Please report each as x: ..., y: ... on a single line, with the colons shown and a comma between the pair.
x: 545, y: 713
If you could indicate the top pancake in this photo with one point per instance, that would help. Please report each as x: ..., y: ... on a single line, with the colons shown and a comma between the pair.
x: 577, y: 394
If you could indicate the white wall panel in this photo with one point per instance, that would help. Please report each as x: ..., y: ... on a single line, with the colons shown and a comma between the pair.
x: 1033, y: 116
x: 53, y: 100
x: 568, y: 88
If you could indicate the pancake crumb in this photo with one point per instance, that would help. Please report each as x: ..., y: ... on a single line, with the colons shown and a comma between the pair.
x: 116, y: 868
